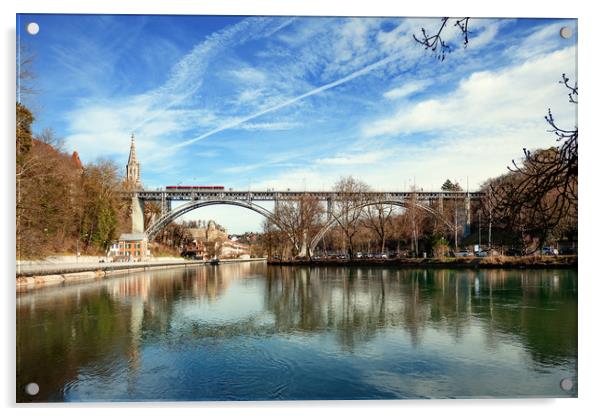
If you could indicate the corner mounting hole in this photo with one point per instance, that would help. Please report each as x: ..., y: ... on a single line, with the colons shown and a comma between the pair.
x: 566, y: 32
x: 33, y: 28
x: 566, y: 384
x: 32, y: 389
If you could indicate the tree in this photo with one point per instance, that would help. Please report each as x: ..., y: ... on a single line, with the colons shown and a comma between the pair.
x: 176, y: 236
x: 152, y: 210
x: 436, y: 43
x: 539, y: 194
x: 452, y: 211
x: 101, y: 204
x: 347, y: 208
x: 377, y: 218
x: 25, y: 73
x: 440, y: 246
x: 300, y: 220
x: 273, y: 240
x: 450, y: 186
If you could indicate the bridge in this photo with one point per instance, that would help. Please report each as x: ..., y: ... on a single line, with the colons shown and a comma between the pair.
x: 430, y: 202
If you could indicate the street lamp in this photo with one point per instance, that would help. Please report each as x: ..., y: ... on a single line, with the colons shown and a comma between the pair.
x: 77, y: 248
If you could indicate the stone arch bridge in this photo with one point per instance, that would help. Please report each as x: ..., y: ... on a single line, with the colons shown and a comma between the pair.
x: 431, y: 202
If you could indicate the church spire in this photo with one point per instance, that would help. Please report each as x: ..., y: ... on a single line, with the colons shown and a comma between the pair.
x: 132, y: 158
x: 132, y: 169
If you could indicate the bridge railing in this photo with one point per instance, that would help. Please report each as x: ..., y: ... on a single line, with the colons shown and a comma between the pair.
x: 182, y: 195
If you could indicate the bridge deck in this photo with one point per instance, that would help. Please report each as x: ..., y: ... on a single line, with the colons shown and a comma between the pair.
x: 186, y: 195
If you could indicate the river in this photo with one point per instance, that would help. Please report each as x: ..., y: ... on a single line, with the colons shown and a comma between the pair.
x: 249, y: 331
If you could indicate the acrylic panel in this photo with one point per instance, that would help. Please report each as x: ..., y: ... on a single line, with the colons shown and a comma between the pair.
x: 258, y: 208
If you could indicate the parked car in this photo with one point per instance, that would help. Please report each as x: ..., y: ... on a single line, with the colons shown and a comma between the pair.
x: 463, y: 253
x: 482, y: 253
x: 549, y: 251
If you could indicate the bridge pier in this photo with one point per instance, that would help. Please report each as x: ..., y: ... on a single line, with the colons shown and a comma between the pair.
x: 165, y: 204
x: 305, y: 249
x: 467, y: 208
x: 329, y: 209
x: 137, y: 214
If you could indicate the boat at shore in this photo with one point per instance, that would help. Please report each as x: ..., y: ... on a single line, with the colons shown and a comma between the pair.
x: 214, y: 262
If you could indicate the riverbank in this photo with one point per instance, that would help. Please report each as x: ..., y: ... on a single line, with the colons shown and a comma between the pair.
x: 54, y: 274
x: 534, y: 262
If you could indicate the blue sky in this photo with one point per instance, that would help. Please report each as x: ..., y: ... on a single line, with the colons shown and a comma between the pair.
x: 285, y: 102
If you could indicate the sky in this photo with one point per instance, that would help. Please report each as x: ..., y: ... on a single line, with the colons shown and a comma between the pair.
x: 298, y: 102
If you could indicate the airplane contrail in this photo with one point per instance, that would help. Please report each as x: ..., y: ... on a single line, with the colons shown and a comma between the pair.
x: 293, y: 100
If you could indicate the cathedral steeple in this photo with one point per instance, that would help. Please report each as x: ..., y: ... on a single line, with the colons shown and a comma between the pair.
x: 132, y: 168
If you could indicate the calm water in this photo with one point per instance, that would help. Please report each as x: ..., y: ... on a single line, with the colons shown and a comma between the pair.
x: 252, y: 332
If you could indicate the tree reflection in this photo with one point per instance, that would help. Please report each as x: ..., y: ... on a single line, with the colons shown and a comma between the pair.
x: 538, y: 307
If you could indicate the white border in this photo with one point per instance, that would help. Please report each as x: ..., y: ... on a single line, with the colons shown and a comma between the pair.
x: 589, y: 220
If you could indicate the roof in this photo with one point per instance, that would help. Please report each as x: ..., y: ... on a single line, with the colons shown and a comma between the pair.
x: 132, y: 237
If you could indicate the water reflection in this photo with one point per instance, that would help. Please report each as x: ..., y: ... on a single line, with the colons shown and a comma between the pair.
x: 378, y: 332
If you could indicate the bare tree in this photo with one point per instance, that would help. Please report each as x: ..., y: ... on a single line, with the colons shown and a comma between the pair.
x: 48, y: 136
x: 152, y: 210
x: 377, y: 218
x: 300, y: 219
x: 347, y: 214
x: 436, y: 43
x: 539, y: 193
x: 25, y: 74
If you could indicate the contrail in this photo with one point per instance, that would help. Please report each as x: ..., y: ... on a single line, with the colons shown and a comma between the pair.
x: 293, y: 100
x: 187, y: 75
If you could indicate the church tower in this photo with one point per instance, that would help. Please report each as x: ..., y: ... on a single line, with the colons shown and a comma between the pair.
x: 132, y: 169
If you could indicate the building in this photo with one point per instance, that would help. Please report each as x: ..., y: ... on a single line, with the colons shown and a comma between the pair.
x: 211, y: 240
x: 234, y: 249
x: 132, y: 169
x: 113, y: 250
x: 133, y: 247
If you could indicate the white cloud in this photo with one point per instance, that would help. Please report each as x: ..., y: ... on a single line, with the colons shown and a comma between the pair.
x: 407, y: 89
x: 249, y: 75
x: 364, y: 158
x: 488, y: 100
x: 248, y: 95
x: 541, y: 41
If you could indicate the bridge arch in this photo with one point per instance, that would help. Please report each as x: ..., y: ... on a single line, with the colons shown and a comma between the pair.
x: 162, y: 222
x: 404, y: 204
